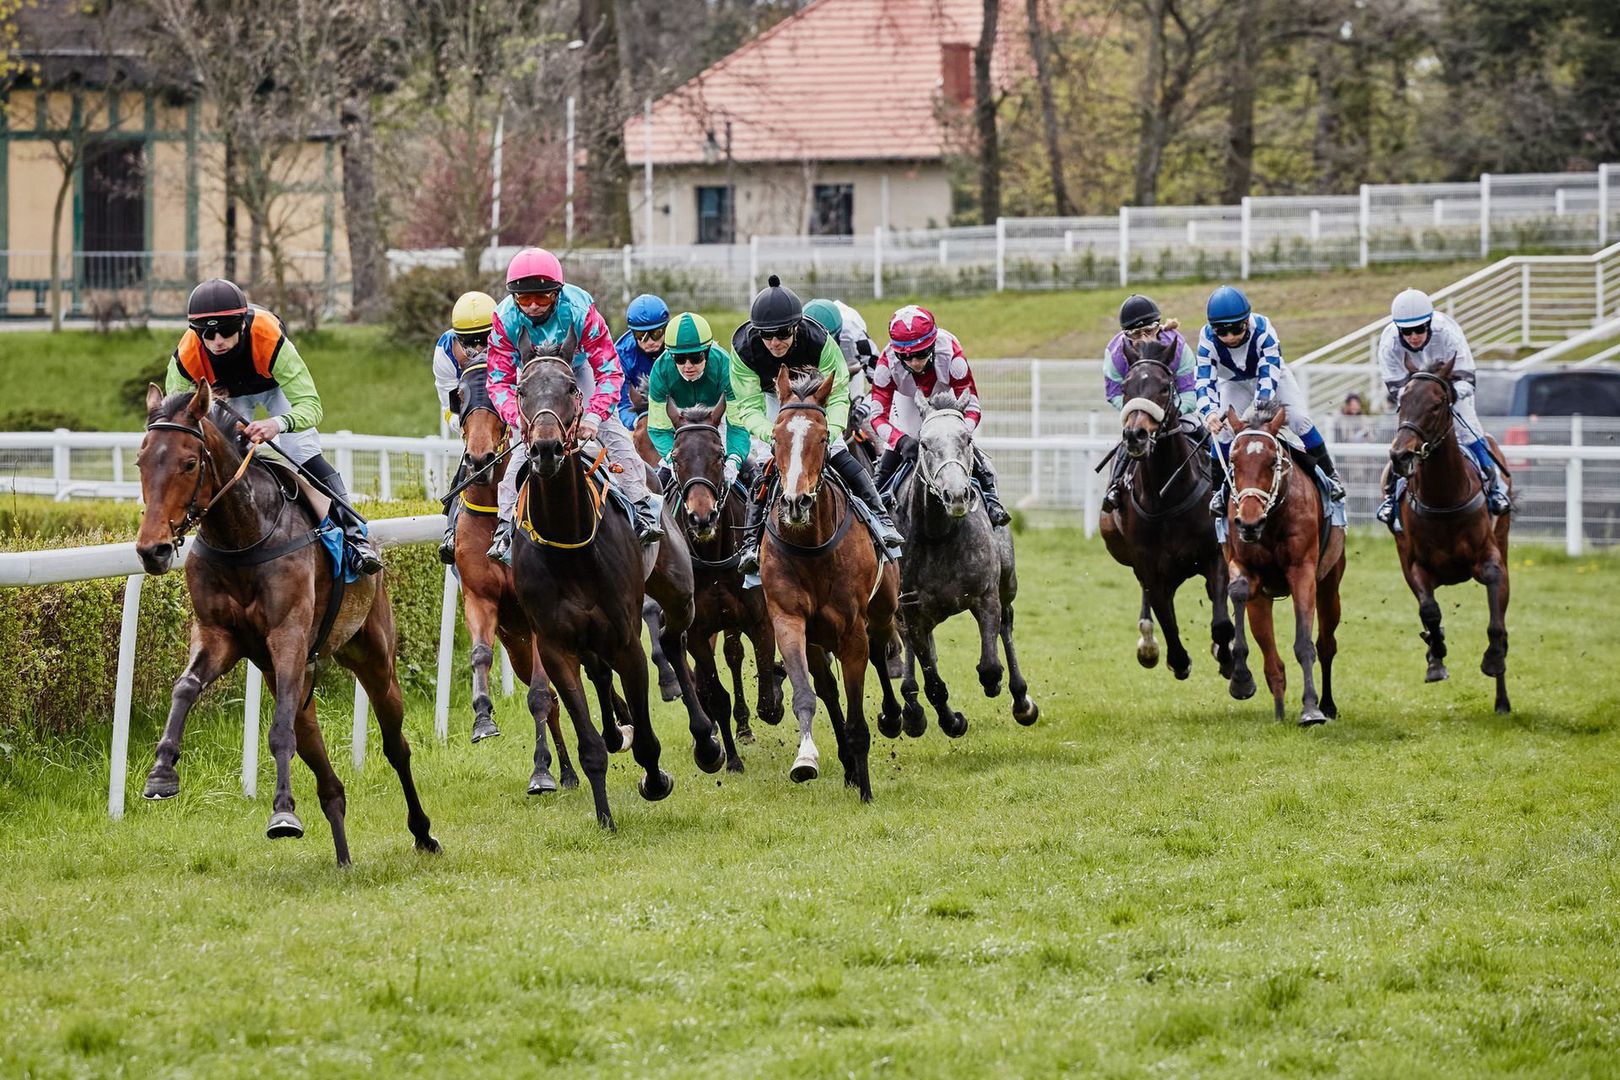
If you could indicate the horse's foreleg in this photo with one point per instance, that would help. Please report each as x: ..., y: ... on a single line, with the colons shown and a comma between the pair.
x: 294, y: 681
x: 987, y: 613
x: 739, y: 700
x: 328, y: 788
x: 711, y: 691
x: 1433, y: 634
x: 370, y: 655
x: 669, y: 685
x: 1263, y: 629
x: 1494, y: 574
x: 1147, y: 649
x: 1327, y: 642
x: 1163, y: 599
x: 1302, y: 586
x: 790, y: 640
x: 951, y: 722
x: 877, y: 651
x: 827, y: 689
x: 912, y: 718
x: 1242, y: 685
x: 1024, y: 709
x: 1220, y: 624
x: 213, y: 652
x: 482, y: 619
x: 707, y: 750
x: 631, y: 664
x: 563, y: 669
x: 542, y: 705
x: 763, y: 638
x: 856, y: 751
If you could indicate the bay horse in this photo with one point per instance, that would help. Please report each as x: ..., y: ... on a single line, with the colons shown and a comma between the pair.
x: 581, y: 577
x: 1161, y: 529
x: 713, y: 523
x: 825, y: 588
x: 489, y: 598
x: 955, y: 561
x: 1277, y: 547
x: 1447, y: 534
x: 262, y: 588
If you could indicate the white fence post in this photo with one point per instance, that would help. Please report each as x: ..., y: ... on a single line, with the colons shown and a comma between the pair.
x: 1001, y: 254
x: 357, y: 741
x: 1603, y: 206
x: 753, y: 266
x: 123, y: 691
x: 944, y: 255
x: 1364, y: 226
x: 345, y: 459
x: 61, y: 461
x: 1035, y: 396
x: 252, y: 695
x: 1484, y: 215
x: 118, y: 464
x: 1093, y: 512
x: 385, y: 477
x: 1524, y: 303
x: 877, y: 262
x: 1316, y: 226
x: 1439, y: 212
x: 629, y: 252
x: 1597, y: 291
x: 447, y: 645
x: 1559, y: 202
x: 1124, y: 246
x: 1244, y: 237
x: 1574, y: 496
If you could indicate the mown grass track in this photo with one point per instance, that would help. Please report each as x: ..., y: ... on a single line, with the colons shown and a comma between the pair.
x: 1155, y: 879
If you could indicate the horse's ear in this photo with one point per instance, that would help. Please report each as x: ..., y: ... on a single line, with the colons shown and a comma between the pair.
x: 784, y: 385
x: 1443, y: 369
x: 824, y: 391
x: 962, y: 403
x: 201, y: 401
x: 718, y: 413
x: 1275, y: 424
x: 674, y: 412
x: 1234, y: 419
x: 1406, y: 358
x: 154, y: 397
x: 1131, y: 353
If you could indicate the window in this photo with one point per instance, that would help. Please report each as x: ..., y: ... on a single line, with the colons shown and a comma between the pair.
x: 835, y: 210
x: 114, y: 222
x: 716, y: 223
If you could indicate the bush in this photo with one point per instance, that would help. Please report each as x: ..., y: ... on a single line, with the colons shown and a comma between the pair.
x: 420, y: 299
x: 42, y: 420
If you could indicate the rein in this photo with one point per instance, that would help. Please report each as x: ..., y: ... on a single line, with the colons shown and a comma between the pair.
x: 598, y: 493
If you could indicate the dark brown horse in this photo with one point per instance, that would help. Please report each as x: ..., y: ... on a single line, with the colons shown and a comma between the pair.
x: 260, y: 583
x: 713, y: 522
x: 1277, y: 547
x: 1447, y: 533
x: 581, y: 578
x: 826, y: 590
x: 1161, y: 529
x: 489, y: 599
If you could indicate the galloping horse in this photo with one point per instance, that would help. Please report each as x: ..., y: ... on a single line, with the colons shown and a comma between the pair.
x: 1161, y: 530
x: 581, y: 582
x: 1447, y: 535
x: 825, y: 588
x: 262, y: 587
x: 713, y: 523
x: 955, y: 561
x: 488, y: 596
x: 1278, y: 547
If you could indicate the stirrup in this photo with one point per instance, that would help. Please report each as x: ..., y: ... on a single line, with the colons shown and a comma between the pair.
x: 501, y: 549
x: 447, y: 549
x: 748, y: 557
x: 1217, y: 502
x: 1110, y: 499
x: 1335, y: 487
x: 1499, y: 502
x: 1386, y: 510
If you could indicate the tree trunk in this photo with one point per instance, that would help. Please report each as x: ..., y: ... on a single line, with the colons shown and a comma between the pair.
x: 984, y: 115
x: 368, y: 258
x: 602, y: 115
x: 56, y: 249
x: 1043, y: 81
x: 1240, y: 115
x: 230, y: 207
x: 1151, y: 132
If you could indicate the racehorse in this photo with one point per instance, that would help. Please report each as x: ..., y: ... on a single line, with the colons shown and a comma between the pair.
x: 1278, y: 546
x: 262, y: 587
x: 955, y: 561
x: 581, y: 582
x: 713, y: 523
x: 488, y: 596
x: 825, y: 587
x: 1162, y: 530
x: 1447, y: 535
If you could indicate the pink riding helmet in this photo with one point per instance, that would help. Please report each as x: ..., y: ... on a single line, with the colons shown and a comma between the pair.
x: 534, y: 270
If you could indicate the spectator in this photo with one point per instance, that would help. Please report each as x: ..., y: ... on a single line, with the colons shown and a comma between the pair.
x: 1353, y: 424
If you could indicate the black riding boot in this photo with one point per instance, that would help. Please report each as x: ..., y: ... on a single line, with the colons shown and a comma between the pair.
x: 888, y: 465
x: 1324, y: 461
x: 366, y: 558
x: 748, y: 557
x: 985, y: 477
x: 859, y: 483
x: 1110, y: 499
x: 1388, y: 510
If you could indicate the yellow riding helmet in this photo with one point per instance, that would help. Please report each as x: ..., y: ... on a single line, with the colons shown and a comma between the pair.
x: 474, y: 313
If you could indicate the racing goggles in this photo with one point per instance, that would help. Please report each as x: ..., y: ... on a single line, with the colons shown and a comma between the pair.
x: 535, y: 297
x: 219, y: 327
x: 477, y: 340
x: 1414, y: 331
x: 1230, y: 329
x: 777, y: 333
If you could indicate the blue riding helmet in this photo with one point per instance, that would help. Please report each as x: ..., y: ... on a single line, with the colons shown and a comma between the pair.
x: 647, y: 312
x: 1226, y: 305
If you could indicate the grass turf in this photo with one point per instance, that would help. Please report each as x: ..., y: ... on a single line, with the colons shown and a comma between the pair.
x: 1154, y: 879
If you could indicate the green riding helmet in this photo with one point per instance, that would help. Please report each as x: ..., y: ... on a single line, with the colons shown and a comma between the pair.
x: 826, y: 314
x: 688, y: 333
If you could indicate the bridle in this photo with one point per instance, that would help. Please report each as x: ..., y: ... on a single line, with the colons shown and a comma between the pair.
x: 597, y: 489
x: 720, y: 491
x: 1164, y: 416
x: 1280, y: 465
x: 931, y: 478
x: 570, y: 430
x: 1427, y: 445
x: 194, y: 513
x: 826, y: 440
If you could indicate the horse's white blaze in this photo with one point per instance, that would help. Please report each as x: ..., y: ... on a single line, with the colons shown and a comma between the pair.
x: 800, y: 427
x: 1256, y: 447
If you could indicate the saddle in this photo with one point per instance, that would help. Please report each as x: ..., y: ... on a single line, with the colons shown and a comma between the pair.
x: 316, y: 502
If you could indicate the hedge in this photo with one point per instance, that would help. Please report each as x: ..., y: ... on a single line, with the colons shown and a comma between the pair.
x: 61, y: 641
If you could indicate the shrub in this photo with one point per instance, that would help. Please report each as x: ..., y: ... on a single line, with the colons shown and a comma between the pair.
x: 420, y: 299
x: 31, y: 419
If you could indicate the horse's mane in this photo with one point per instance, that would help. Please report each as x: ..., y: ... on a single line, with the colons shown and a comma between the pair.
x: 177, y: 402
x: 1262, y: 412
x: 696, y: 414
x: 944, y: 398
x: 803, y: 384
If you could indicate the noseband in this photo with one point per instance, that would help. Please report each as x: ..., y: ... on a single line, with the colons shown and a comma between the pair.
x: 1280, y: 464
x: 1164, y: 416
x: 1426, y: 444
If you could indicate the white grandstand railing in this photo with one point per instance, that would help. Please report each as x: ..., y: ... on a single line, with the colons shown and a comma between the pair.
x: 23, y: 569
x: 1521, y: 302
x: 1601, y: 332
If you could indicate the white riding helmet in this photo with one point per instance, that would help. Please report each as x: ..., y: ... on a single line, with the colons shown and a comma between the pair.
x: 1411, y: 308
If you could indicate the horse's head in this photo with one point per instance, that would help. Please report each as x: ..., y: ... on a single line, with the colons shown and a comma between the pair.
x: 1425, y: 415
x: 699, y: 460
x: 1150, y: 396
x: 551, y: 404
x: 178, y: 473
x: 945, y: 452
x: 482, y: 429
x: 799, y: 440
x: 1259, y: 466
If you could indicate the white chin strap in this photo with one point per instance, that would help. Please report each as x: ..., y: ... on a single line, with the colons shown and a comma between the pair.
x: 1140, y: 404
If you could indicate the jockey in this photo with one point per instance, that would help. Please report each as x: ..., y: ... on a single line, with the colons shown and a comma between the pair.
x: 541, y: 311
x: 846, y: 326
x: 1240, y: 362
x: 693, y: 371
x: 1428, y: 338
x: 466, y: 342
x: 638, y: 348
x: 242, y: 350
x: 1139, y: 321
x: 778, y: 335
x: 920, y: 359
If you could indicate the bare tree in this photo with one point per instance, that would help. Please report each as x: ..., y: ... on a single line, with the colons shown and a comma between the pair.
x: 602, y: 115
x: 1178, y: 35
x: 1039, y: 50
x: 984, y: 115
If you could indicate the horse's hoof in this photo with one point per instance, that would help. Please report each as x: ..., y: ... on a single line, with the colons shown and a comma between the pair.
x: 1027, y: 712
x: 541, y: 783
x: 1437, y: 673
x: 159, y: 788
x: 427, y: 845
x: 1147, y: 654
x: 957, y: 727
x: 734, y: 764
x: 1492, y: 668
x: 715, y: 759
x: 772, y: 716
x: 804, y: 769
x: 889, y: 724
x: 669, y: 691
x: 627, y: 735
x: 913, y: 720
x: 1242, y: 687
x: 484, y: 728
x: 1181, y: 672
x: 284, y: 825
x: 745, y: 731
x: 665, y: 785
x: 1312, y: 717
x: 1503, y: 708
x: 570, y: 780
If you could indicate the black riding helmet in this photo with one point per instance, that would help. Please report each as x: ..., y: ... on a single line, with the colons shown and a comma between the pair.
x: 216, y: 303
x: 775, y: 307
x: 1137, y: 311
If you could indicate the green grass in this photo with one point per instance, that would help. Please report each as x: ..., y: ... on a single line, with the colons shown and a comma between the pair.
x: 1153, y: 880
x: 373, y: 385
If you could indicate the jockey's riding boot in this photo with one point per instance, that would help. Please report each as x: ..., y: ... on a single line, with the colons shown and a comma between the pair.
x: 1496, y: 492
x: 501, y: 549
x: 1110, y: 499
x: 362, y: 551
x: 859, y: 482
x: 649, y: 519
x: 1324, y: 461
x: 987, y: 491
x: 447, y: 546
x: 1389, y: 509
x: 748, y: 556
x: 1217, y: 500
